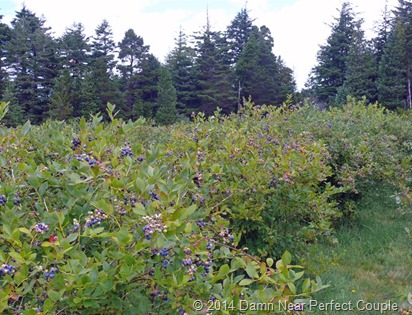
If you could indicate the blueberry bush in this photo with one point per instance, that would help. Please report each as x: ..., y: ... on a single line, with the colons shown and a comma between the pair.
x: 126, y: 218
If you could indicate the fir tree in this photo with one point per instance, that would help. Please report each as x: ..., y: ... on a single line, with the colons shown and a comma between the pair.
x: 31, y: 62
x: 261, y: 75
x: 61, y: 101
x: 15, y: 115
x: 180, y: 63
x: 393, y: 75
x: 74, y: 51
x: 329, y: 74
x: 5, y: 36
x: 361, y: 71
x: 102, y: 65
x: 213, y: 82
x: 237, y: 34
x: 166, y: 99
x: 132, y: 55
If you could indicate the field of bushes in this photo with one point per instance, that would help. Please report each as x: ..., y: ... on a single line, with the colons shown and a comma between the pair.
x: 129, y: 218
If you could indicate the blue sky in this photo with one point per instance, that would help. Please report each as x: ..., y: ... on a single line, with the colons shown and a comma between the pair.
x: 299, y: 27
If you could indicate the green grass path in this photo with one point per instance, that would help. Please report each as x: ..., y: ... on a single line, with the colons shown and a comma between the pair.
x: 373, y: 258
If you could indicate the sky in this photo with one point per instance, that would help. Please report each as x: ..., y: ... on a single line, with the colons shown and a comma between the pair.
x: 298, y: 27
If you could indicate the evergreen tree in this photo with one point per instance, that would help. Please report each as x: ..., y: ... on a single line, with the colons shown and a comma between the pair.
x: 213, y: 82
x: 103, y: 46
x: 32, y: 64
x: 180, y: 63
x: 237, y: 34
x: 102, y: 65
x: 74, y: 51
x: 262, y: 75
x: 393, y: 76
x: 330, y: 72
x: 147, y: 81
x: 132, y: 54
x: 379, y: 42
x: 5, y: 36
x: 75, y: 60
x: 361, y: 71
x: 166, y: 99
x: 61, y: 101
x: 403, y: 20
x: 15, y: 115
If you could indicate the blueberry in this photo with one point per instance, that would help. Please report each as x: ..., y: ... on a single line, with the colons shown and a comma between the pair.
x: 3, y: 200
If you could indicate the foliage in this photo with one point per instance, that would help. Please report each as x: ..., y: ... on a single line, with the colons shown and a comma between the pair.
x: 329, y: 74
x: 166, y: 100
x: 260, y: 74
x: 109, y: 218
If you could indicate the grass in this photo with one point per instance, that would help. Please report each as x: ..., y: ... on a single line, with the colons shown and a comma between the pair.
x: 372, y: 260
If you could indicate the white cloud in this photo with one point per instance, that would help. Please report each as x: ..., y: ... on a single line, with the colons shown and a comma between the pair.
x: 298, y: 28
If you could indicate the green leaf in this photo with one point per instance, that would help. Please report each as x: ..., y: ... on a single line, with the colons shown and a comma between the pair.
x: 4, y: 108
x: 269, y: 262
x: 223, y: 270
x: 292, y: 287
x: 251, y: 271
x: 306, y: 285
x: 72, y: 237
x: 286, y: 258
x: 140, y: 184
x: 53, y: 295
x: 246, y: 282
x: 25, y: 129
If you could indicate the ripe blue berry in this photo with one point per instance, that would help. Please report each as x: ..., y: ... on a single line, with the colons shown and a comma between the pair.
x: 164, y: 252
x: 3, y: 200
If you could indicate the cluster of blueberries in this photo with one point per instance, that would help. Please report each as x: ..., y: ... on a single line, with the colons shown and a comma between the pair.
x: 41, y: 228
x: 95, y: 217
x: 154, y: 223
x: 87, y: 158
x: 6, y: 269
x: 162, y: 294
x: 200, y: 223
x: 164, y: 253
x: 76, y: 143
x: 126, y: 151
x: 3, y: 200
x: 49, y: 274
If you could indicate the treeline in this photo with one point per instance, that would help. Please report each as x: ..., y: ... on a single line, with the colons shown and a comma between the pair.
x: 73, y: 75
x: 379, y: 69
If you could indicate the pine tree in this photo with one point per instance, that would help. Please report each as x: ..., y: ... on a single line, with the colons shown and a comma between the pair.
x: 61, y: 101
x: 180, y: 63
x: 147, y: 81
x: 166, y: 99
x: 5, y: 36
x: 393, y: 76
x: 74, y: 54
x: 361, y: 71
x: 74, y: 51
x: 31, y: 62
x: 379, y: 42
x: 330, y: 72
x: 403, y: 20
x: 237, y: 34
x: 103, y: 46
x: 102, y: 65
x: 261, y: 75
x: 15, y: 115
x: 132, y: 54
x: 213, y: 82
